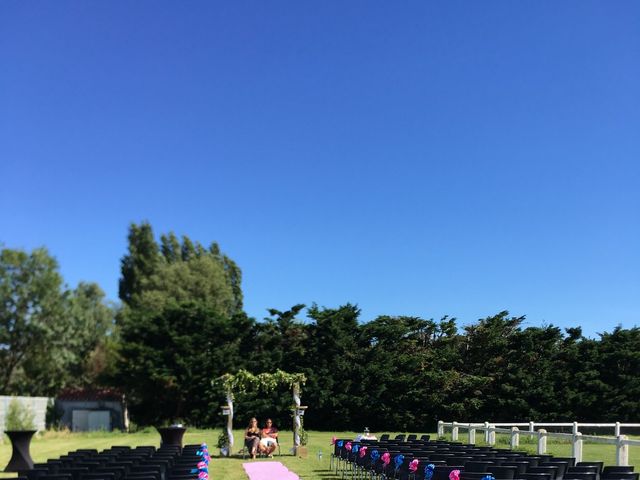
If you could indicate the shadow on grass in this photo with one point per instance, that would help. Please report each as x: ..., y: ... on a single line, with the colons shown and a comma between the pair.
x: 328, y: 474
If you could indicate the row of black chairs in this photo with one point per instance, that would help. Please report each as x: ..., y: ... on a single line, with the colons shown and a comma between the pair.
x: 120, y: 463
x: 473, y: 462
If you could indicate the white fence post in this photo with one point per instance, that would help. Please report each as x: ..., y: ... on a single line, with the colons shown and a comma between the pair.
x: 576, y: 447
x: 617, y: 429
x: 515, y: 437
x: 542, y: 441
x: 576, y: 437
x: 622, y: 451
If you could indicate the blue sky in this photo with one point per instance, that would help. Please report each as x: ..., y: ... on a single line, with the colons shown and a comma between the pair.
x: 418, y: 158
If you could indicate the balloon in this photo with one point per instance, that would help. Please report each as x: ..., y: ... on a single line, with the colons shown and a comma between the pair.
x: 428, y: 471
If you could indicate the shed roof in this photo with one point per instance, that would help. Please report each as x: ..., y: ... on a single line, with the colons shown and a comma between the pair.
x: 90, y: 394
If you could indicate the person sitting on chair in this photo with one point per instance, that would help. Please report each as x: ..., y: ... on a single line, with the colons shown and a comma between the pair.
x: 269, y: 440
x: 252, y: 437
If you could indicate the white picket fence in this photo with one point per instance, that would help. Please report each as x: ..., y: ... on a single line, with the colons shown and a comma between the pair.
x: 622, y: 442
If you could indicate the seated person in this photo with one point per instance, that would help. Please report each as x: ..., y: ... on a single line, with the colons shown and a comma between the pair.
x: 269, y: 440
x: 252, y: 437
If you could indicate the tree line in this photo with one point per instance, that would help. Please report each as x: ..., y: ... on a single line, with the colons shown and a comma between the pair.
x: 181, y: 324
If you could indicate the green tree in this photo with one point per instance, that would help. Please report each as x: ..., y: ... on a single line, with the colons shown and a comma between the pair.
x: 526, y: 386
x: 170, y: 247
x: 31, y: 316
x: 618, y: 356
x: 278, y: 342
x: 200, y: 279
x: 330, y: 365
x: 576, y: 381
x: 412, y: 375
x: 290, y: 337
x: 169, y: 358
x: 140, y: 263
x: 154, y: 276
x: 89, y: 334
x: 392, y: 351
x: 47, y: 332
x: 486, y: 354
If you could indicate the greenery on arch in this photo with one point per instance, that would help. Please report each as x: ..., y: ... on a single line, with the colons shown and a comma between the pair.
x: 244, y: 381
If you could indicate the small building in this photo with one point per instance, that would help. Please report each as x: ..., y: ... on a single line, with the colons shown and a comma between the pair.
x: 85, y: 410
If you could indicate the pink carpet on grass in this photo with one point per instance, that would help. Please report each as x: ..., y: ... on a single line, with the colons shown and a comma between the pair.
x: 268, y: 471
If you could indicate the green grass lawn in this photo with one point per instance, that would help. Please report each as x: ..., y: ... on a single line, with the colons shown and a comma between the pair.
x: 54, y: 444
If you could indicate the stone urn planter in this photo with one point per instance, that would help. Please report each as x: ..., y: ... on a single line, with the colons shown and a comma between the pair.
x: 20, y: 458
x: 171, y: 435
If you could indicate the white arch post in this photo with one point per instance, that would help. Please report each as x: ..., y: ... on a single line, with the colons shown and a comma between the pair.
x: 228, y: 410
x: 298, y: 412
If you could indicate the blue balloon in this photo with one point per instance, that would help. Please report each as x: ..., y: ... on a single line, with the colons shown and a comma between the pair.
x: 428, y: 471
x: 399, y: 459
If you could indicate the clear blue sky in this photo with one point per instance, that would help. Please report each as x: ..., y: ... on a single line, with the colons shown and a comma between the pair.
x: 418, y: 158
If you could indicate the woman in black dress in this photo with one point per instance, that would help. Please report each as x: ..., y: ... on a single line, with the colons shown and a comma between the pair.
x: 252, y: 437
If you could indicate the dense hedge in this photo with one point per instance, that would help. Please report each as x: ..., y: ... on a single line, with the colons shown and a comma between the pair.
x: 401, y: 373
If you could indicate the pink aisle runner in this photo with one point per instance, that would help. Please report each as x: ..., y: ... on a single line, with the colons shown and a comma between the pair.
x: 268, y: 471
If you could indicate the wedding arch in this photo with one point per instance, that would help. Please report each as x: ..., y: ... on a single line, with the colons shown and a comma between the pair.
x: 244, y: 381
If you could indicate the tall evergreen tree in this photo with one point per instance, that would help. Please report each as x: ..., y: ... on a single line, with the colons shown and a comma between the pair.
x: 153, y: 276
x: 140, y: 263
x: 332, y: 358
x: 170, y: 247
x: 168, y: 360
x: 619, y: 366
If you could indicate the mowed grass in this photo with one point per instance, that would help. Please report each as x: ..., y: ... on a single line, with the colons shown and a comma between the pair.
x: 315, y: 466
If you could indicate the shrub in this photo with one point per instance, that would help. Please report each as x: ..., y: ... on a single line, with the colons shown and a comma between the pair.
x: 19, y: 416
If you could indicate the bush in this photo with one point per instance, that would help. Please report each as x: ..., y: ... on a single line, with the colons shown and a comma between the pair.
x: 19, y: 416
